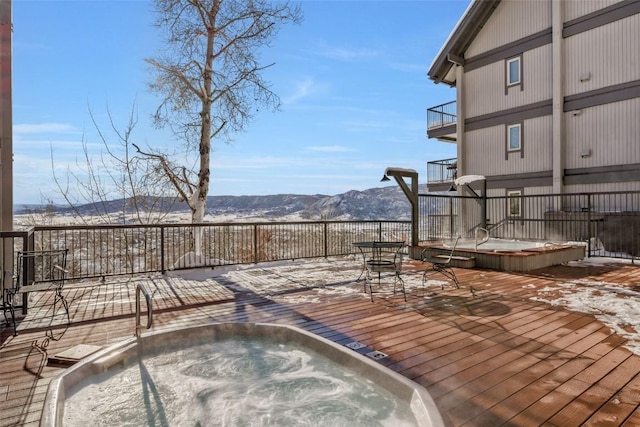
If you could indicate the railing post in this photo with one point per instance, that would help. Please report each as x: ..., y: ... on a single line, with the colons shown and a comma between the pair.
x: 162, y: 254
x: 588, y: 225
x: 28, y: 269
x: 451, y: 217
x: 255, y: 243
x: 326, y: 238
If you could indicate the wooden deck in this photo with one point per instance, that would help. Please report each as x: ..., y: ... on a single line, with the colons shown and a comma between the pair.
x: 490, y: 357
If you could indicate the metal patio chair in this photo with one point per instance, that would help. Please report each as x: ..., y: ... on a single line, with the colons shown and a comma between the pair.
x: 385, y: 257
x: 37, y: 271
x: 441, y: 264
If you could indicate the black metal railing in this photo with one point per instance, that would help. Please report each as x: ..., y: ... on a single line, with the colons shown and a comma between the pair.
x: 108, y: 250
x: 609, y: 223
x: 442, y: 115
x: 442, y: 171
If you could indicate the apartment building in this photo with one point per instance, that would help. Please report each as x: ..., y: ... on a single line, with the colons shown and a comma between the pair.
x: 547, y: 97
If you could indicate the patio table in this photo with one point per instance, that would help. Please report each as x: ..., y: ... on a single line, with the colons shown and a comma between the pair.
x: 368, y: 248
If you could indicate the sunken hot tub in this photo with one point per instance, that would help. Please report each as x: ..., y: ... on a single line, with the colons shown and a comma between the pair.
x: 234, y: 374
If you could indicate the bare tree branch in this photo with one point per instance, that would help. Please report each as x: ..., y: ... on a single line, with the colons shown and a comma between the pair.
x: 96, y: 184
x: 210, y: 79
x: 180, y: 183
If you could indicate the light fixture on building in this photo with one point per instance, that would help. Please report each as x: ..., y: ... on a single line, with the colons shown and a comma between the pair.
x: 453, y: 188
x: 385, y: 178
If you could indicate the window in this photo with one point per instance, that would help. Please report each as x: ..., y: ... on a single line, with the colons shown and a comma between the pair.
x: 514, y: 137
x: 514, y: 203
x: 513, y: 71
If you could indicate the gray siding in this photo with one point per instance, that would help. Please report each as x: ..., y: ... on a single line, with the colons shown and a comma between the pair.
x: 511, y: 21
x: 538, y: 148
x: 485, y: 150
x: 533, y: 191
x: 576, y: 9
x: 529, y: 191
x: 609, y: 53
x: 485, y: 86
x: 602, y: 188
x: 610, y: 131
x: 598, y: 139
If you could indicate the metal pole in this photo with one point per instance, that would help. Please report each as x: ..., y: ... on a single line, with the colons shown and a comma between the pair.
x: 6, y: 145
x: 484, y: 204
x: 6, y: 118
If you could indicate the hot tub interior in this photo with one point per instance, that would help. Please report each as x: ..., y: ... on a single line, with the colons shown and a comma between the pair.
x: 234, y: 374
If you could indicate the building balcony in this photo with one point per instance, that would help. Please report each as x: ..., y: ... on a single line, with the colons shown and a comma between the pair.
x: 441, y: 174
x: 441, y: 122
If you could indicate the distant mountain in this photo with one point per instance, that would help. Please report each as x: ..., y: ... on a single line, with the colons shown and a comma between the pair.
x: 375, y: 203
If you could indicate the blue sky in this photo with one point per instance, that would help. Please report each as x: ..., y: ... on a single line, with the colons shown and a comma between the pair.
x: 351, y: 77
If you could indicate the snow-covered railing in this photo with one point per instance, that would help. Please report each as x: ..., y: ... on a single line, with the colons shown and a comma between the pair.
x: 107, y: 250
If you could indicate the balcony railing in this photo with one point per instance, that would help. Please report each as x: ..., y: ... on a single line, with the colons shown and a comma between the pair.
x: 442, y: 115
x: 102, y: 251
x: 440, y: 171
x: 602, y: 219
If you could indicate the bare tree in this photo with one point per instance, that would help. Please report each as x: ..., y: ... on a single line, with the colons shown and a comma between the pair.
x: 210, y: 80
x: 116, y: 178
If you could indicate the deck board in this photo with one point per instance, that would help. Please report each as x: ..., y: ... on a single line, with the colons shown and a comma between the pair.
x: 487, y: 353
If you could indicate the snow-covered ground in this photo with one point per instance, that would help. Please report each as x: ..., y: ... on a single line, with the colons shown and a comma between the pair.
x: 25, y: 220
x: 615, y: 306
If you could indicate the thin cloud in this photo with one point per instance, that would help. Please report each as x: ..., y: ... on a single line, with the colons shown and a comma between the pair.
x: 409, y: 67
x: 29, y: 45
x: 346, y: 53
x: 241, y: 163
x: 323, y: 177
x: 28, y: 164
x: 231, y: 180
x: 22, y: 144
x: 366, y: 125
x: 303, y: 89
x: 38, y: 128
x: 329, y: 148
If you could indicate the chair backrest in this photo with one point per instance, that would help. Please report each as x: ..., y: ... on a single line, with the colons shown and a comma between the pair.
x: 41, y: 266
x: 453, y: 249
x: 386, y: 256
